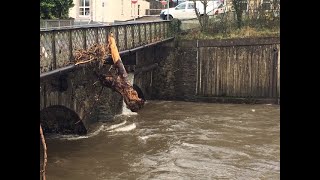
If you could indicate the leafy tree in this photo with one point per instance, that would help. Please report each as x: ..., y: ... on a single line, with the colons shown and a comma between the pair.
x: 46, y: 7
x: 55, y: 9
x: 238, y: 10
x: 203, y: 19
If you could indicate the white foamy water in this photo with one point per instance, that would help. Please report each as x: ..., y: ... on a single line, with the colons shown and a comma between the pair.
x: 102, y: 128
x: 77, y: 137
x: 189, y: 145
x: 116, y: 125
x: 125, y: 128
x: 69, y: 137
x: 145, y: 138
x: 125, y: 110
x: 113, y: 128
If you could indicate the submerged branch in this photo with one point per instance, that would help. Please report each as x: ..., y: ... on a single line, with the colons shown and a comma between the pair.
x: 44, y: 154
x: 120, y: 85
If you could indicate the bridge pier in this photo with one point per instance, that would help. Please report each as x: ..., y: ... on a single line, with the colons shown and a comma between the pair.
x: 148, y: 62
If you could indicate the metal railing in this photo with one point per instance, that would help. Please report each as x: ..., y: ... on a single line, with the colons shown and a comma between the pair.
x: 57, y: 46
x: 49, y: 23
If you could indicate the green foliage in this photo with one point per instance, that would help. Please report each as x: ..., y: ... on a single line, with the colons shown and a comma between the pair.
x: 175, y: 26
x: 55, y: 9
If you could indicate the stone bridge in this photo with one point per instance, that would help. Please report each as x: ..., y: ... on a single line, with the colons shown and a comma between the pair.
x: 70, y: 97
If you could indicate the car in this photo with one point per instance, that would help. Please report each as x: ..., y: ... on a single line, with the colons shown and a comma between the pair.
x: 219, y: 10
x: 173, y: 3
x: 186, y: 10
x: 177, y: 2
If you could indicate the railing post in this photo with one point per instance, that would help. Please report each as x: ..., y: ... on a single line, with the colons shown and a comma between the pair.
x: 125, y: 37
x: 145, y: 32
x: 132, y: 35
x: 116, y: 33
x: 54, y: 57
x: 150, y: 32
x: 97, y: 35
x: 167, y: 29
x: 70, y: 46
x: 139, y: 29
x: 155, y: 31
x: 164, y: 29
x: 160, y: 30
x: 106, y: 31
x: 84, y: 38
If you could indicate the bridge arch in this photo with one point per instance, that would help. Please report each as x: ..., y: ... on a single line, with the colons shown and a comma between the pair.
x: 62, y: 120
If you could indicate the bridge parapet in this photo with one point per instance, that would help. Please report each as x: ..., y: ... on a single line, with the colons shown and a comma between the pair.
x: 57, y: 46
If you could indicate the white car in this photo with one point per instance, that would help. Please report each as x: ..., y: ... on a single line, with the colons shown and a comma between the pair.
x: 186, y: 10
x: 219, y: 10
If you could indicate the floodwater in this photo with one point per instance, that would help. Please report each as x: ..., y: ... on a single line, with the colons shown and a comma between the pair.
x: 174, y: 140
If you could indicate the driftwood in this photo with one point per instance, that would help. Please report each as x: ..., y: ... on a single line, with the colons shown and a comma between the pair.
x: 44, y: 154
x: 129, y: 94
x: 118, y: 81
x: 97, y: 52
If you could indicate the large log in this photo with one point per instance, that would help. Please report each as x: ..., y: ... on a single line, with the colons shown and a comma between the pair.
x: 119, y: 81
x: 129, y: 94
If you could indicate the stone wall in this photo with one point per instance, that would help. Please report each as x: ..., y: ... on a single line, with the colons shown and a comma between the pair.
x: 76, y: 92
x: 236, y: 70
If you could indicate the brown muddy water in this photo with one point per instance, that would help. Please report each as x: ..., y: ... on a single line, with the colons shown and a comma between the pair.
x: 174, y: 140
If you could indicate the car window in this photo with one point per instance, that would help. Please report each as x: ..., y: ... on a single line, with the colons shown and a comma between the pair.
x: 191, y: 5
x: 181, y: 6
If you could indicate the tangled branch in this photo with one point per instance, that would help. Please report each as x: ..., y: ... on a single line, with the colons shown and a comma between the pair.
x: 97, y: 52
x: 44, y: 154
x: 129, y: 94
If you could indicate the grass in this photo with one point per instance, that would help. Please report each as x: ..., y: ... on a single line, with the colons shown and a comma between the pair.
x: 244, y: 32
